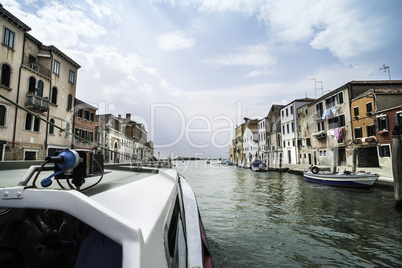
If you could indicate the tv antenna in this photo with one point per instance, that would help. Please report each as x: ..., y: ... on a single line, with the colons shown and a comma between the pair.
x: 317, y: 87
x: 386, y: 68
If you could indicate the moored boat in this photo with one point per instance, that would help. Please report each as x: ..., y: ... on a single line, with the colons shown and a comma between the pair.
x: 258, y: 165
x: 346, y: 179
x: 130, y: 216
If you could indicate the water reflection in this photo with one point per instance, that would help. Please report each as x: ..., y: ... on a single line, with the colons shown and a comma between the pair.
x: 271, y: 219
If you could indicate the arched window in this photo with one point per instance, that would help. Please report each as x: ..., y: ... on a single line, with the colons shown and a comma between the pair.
x: 36, y: 126
x: 54, y: 95
x: 5, y: 75
x: 67, y: 130
x: 3, y: 115
x: 28, y: 121
x: 69, y: 102
x: 273, y: 127
x: 32, y: 121
x: 32, y: 85
x: 39, y: 91
x: 51, y: 127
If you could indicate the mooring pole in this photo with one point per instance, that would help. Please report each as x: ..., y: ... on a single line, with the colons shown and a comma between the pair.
x: 280, y: 162
x: 396, y: 164
x: 354, y: 159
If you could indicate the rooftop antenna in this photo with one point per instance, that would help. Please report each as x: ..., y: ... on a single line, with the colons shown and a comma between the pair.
x: 386, y: 68
x: 317, y: 88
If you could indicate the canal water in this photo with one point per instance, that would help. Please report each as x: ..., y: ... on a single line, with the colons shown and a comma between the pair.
x: 279, y: 220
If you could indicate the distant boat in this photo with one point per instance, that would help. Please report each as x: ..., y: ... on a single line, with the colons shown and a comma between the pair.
x: 258, y: 165
x: 346, y: 179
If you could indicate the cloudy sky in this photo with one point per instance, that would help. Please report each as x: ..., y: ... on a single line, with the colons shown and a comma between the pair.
x: 190, y: 70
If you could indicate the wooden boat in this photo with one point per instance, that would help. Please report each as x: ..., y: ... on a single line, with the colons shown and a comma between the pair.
x: 123, y: 216
x: 346, y: 179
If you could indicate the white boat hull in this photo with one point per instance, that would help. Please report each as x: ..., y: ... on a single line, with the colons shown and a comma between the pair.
x: 352, y: 180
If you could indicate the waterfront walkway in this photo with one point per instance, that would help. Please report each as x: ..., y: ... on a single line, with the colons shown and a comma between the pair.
x: 385, y: 179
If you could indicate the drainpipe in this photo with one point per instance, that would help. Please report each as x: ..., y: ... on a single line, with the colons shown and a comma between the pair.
x: 18, y: 92
x: 50, y: 96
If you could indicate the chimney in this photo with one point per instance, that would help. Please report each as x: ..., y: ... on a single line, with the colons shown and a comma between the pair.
x: 128, y: 117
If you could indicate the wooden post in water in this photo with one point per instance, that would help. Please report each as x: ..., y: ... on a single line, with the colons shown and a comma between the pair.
x: 396, y: 164
x: 335, y: 162
x: 280, y: 162
x: 354, y: 159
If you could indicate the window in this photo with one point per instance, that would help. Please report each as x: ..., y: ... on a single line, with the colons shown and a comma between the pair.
x: 287, y: 112
x: 69, y: 102
x: 32, y: 85
x: 283, y: 114
x: 319, y: 109
x: 299, y: 143
x: 5, y: 75
x: 67, y: 130
x: 384, y: 151
x: 340, y: 97
x: 287, y: 128
x: 334, y: 100
x: 91, y: 117
x: 306, y: 111
x: 273, y: 127
x: 3, y: 115
x: 358, y: 133
x: 283, y: 129
x: 369, y: 107
x: 29, y: 155
x: 293, y: 127
x: 382, y: 123
x: 54, y: 96
x: 8, y: 39
x: 32, y: 121
x: 39, y: 89
x: 79, y: 112
x: 51, y: 127
x: 71, y: 77
x: 56, y: 67
x: 36, y: 124
x: 86, y: 115
x: 356, y: 110
x: 370, y: 130
x: 28, y: 121
x: 335, y: 122
x: 291, y: 109
x: 308, y: 142
x: 398, y: 118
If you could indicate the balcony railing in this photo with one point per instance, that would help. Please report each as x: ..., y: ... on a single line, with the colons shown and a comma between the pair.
x: 37, y: 103
x: 36, y: 67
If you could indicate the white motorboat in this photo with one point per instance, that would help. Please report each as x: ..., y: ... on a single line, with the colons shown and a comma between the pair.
x: 124, y: 217
x: 346, y: 179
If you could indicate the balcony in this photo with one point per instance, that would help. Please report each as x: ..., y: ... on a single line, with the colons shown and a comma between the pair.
x: 37, y: 103
x: 320, y: 134
x: 36, y: 67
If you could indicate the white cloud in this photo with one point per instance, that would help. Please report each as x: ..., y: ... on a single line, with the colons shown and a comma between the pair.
x: 175, y: 41
x: 256, y: 55
x: 347, y: 29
